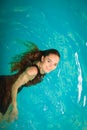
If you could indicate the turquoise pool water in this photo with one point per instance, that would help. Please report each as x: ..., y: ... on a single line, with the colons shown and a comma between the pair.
x: 60, y: 101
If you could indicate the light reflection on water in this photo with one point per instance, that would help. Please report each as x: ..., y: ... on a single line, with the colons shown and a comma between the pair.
x: 52, y: 104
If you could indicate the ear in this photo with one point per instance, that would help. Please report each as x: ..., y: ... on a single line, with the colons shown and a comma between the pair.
x: 42, y: 58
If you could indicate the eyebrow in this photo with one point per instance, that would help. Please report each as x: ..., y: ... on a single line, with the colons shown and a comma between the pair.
x: 51, y: 60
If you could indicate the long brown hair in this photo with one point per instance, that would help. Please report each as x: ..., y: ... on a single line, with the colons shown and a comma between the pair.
x: 22, y: 61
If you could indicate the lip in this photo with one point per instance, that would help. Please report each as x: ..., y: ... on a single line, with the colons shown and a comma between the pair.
x: 47, y: 69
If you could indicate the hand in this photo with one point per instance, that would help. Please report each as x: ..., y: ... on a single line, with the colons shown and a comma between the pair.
x: 13, y: 114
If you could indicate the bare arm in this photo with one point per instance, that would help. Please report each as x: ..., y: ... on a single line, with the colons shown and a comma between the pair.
x: 26, y: 76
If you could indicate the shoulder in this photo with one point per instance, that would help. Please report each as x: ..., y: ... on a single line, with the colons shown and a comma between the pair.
x: 32, y: 70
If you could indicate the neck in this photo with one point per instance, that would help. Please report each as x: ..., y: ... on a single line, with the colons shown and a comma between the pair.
x: 40, y: 67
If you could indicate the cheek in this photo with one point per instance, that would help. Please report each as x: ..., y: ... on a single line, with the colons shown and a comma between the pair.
x: 43, y: 64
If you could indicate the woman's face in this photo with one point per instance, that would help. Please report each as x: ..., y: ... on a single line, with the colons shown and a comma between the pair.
x: 49, y: 63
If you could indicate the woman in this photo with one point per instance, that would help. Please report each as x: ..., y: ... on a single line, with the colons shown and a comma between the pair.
x: 30, y: 69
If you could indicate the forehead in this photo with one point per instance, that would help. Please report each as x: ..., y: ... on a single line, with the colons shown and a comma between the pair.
x: 53, y: 57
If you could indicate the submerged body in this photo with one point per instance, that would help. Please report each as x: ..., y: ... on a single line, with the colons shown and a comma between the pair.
x: 30, y: 70
x: 6, y: 83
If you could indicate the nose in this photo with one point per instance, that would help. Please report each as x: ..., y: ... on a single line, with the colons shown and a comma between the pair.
x: 50, y: 66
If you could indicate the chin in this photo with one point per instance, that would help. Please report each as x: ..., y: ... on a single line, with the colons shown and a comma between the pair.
x: 48, y: 71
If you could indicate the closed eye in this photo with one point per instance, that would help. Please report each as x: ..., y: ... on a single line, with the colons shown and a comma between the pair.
x: 49, y: 61
x: 55, y: 64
